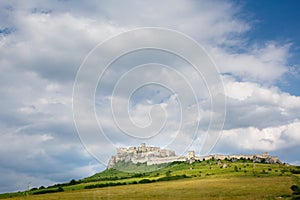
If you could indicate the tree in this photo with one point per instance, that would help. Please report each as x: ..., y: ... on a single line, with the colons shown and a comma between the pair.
x: 296, y: 189
x: 168, y: 173
x: 236, y: 169
x: 72, y: 182
x: 60, y: 189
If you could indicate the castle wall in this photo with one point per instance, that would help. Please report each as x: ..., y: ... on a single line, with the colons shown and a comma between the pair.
x: 156, y: 155
x: 156, y: 161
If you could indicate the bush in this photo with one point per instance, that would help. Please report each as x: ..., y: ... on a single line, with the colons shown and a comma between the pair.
x: 263, y: 161
x: 172, y: 178
x: 295, y: 171
x: 96, y: 186
x: 285, y: 195
x: 72, y: 182
x: 264, y: 172
x: 59, y: 189
x: 155, y: 175
x: 145, y: 181
x: 295, y: 189
x: 137, y: 175
x: 236, y: 168
x: 168, y: 173
x: 100, y: 185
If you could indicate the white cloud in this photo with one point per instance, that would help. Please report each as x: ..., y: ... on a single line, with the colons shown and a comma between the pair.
x: 267, y: 139
x: 296, y: 163
x: 262, y: 63
x: 252, y: 104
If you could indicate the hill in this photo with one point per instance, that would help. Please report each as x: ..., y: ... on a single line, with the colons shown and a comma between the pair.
x: 206, y: 179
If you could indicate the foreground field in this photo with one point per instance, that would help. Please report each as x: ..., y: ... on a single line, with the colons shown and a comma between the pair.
x: 210, y: 179
x: 195, y: 188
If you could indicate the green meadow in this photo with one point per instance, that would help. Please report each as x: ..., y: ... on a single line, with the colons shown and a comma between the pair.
x: 200, y: 180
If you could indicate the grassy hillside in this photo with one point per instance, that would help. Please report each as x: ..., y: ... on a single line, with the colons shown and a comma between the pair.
x: 207, y: 180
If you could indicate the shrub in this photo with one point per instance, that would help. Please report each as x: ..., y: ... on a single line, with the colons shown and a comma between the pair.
x: 72, y: 182
x: 264, y: 172
x: 145, y: 181
x: 236, y: 168
x: 168, y: 173
x: 285, y: 195
x: 137, y: 175
x: 172, y: 178
x: 295, y: 171
x: 295, y: 189
x: 59, y: 189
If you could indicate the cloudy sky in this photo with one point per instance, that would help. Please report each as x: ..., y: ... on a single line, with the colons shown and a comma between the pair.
x: 254, y: 44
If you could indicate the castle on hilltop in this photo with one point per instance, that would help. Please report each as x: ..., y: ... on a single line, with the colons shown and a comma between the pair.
x: 155, y: 155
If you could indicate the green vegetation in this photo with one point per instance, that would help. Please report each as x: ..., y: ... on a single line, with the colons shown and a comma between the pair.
x: 208, y: 179
x: 59, y: 189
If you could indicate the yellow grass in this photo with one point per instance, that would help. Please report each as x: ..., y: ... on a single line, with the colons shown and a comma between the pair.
x: 195, y: 188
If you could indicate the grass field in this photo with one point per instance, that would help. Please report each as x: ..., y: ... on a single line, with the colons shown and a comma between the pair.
x: 202, y: 180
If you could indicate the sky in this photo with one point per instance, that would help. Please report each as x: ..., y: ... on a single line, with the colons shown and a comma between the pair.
x: 254, y: 45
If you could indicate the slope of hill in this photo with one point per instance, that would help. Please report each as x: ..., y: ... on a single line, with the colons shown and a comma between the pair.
x: 210, y: 179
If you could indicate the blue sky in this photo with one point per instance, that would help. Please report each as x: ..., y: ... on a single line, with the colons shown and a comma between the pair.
x: 255, y: 45
x: 279, y: 21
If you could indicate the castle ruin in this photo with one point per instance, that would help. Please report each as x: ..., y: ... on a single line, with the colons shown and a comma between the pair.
x: 155, y: 155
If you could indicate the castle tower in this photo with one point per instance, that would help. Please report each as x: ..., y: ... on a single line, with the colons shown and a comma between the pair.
x: 191, y: 154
